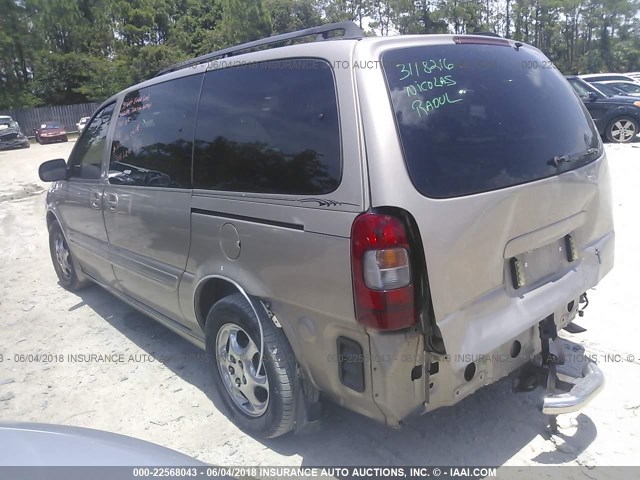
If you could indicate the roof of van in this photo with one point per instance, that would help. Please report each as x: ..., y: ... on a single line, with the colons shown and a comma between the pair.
x: 321, y: 48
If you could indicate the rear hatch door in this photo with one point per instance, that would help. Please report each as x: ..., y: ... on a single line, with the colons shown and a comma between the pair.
x: 495, y: 157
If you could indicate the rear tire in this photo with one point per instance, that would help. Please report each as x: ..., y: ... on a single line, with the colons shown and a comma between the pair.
x: 261, y: 403
x: 622, y: 130
x: 62, y: 259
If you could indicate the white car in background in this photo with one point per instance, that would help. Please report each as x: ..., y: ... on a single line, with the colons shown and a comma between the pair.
x: 603, y: 77
x: 634, y: 75
x: 83, y: 121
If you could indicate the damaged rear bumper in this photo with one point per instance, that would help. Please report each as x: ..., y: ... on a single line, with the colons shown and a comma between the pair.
x: 581, y: 393
x: 14, y: 143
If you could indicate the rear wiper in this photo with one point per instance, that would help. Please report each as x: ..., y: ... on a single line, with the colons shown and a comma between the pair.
x: 560, y: 159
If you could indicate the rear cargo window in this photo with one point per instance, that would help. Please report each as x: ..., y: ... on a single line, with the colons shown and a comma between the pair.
x: 474, y: 118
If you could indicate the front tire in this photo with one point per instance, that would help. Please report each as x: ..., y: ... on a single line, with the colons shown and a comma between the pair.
x: 62, y: 259
x: 622, y: 130
x: 260, y: 402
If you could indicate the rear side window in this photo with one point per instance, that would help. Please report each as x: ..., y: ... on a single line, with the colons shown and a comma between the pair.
x: 153, y: 140
x: 269, y: 127
x: 474, y: 118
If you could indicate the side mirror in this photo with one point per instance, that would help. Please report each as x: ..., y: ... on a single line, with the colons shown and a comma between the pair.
x: 53, y: 170
x: 593, y: 96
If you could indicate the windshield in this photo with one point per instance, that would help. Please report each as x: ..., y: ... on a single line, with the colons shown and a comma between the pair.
x: 474, y: 118
x: 7, y: 122
x: 50, y: 125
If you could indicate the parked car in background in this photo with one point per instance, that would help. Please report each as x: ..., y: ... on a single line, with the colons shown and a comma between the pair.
x: 625, y: 88
x: 80, y: 125
x: 600, y: 77
x: 10, y: 134
x: 393, y: 238
x: 50, y: 132
x: 617, y: 117
x: 634, y: 75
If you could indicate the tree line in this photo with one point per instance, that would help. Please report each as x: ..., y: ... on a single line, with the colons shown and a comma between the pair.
x: 55, y: 52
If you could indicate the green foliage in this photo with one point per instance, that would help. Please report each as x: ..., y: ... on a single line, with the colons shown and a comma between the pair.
x: 68, y: 51
x: 195, y: 28
x: 243, y: 21
x: 291, y: 15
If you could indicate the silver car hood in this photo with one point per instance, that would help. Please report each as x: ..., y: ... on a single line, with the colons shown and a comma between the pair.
x: 33, y: 444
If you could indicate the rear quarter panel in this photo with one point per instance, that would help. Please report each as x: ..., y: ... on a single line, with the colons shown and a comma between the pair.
x: 295, y: 250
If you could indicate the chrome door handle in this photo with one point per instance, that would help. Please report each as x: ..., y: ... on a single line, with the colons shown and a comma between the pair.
x: 111, y: 199
x: 95, y: 199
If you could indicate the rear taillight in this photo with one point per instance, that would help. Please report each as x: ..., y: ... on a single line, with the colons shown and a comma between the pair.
x: 381, y: 266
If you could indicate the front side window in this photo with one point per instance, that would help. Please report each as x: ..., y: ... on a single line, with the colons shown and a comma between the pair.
x: 86, y: 159
x: 153, y: 138
x: 269, y: 127
x: 474, y: 118
x: 580, y: 88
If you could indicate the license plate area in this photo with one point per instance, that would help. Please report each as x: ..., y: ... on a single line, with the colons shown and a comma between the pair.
x: 531, y: 269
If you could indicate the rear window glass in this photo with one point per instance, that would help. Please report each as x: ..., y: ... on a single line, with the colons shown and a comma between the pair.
x: 269, y: 127
x: 474, y: 118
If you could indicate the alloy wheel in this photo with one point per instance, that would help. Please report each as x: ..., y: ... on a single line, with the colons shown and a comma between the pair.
x: 238, y: 358
x: 62, y: 255
x: 623, y: 130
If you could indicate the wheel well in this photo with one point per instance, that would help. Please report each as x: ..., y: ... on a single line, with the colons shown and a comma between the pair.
x: 209, y: 293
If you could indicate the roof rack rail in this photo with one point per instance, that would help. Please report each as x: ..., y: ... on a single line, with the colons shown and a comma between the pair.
x: 487, y: 34
x: 350, y: 29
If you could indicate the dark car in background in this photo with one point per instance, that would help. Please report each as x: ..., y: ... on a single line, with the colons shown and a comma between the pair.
x: 10, y: 134
x: 617, y: 117
x: 50, y: 132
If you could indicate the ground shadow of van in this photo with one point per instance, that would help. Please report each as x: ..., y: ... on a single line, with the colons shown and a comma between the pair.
x: 488, y: 428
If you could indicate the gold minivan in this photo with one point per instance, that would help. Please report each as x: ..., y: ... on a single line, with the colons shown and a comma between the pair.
x: 389, y: 223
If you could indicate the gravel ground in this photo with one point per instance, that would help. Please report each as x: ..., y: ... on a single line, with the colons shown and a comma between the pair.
x: 159, y: 391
